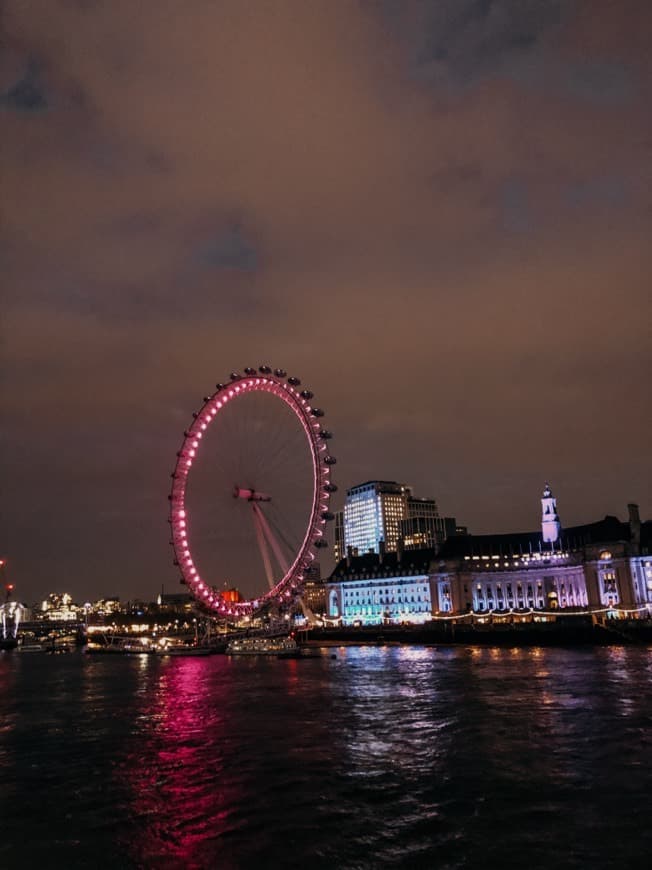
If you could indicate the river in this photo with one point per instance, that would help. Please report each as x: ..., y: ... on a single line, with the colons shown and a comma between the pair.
x: 365, y: 757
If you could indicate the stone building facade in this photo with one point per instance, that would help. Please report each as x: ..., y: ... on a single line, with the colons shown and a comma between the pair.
x: 605, y: 566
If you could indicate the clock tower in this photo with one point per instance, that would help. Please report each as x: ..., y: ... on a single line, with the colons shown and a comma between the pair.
x: 550, y: 525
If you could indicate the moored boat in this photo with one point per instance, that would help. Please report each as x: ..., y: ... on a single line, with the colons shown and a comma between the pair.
x: 34, y: 647
x: 261, y: 646
x: 118, y: 646
x: 181, y: 650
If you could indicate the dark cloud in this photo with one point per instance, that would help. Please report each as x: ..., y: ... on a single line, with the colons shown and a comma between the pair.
x: 26, y: 95
x: 461, y: 40
x: 229, y: 250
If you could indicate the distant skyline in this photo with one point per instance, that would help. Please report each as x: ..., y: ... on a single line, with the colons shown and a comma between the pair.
x: 436, y: 214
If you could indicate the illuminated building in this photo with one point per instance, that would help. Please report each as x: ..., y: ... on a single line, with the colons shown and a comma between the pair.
x: 604, y: 567
x: 372, y: 512
x: 231, y: 595
x: 380, y: 589
x: 105, y: 606
x: 175, y: 601
x: 59, y: 607
x: 550, y: 525
x: 314, y: 596
x: 419, y: 531
x: 385, y: 512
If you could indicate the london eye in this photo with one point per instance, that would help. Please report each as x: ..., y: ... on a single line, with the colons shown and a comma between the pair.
x: 250, y: 493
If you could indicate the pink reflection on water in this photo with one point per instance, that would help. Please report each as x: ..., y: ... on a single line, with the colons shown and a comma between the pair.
x: 181, y: 802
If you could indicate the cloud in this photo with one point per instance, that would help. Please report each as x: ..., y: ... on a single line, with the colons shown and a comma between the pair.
x: 457, y: 42
x: 229, y: 250
x: 26, y: 96
x: 599, y: 82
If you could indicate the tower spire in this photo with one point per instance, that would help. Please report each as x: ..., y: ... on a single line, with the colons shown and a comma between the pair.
x: 550, y: 525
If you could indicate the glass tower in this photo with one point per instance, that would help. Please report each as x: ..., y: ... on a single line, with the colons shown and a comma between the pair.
x: 373, y: 512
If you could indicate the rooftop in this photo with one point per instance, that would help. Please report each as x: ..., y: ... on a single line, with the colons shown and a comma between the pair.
x: 391, y: 486
x: 368, y: 563
x: 609, y: 530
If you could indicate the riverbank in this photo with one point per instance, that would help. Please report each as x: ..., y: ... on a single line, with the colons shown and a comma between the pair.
x: 578, y: 631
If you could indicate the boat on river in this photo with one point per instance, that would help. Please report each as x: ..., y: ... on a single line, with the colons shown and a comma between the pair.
x: 111, y: 645
x: 34, y: 647
x: 115, y: 645
x: 261, y: 646
x: 184, y: 650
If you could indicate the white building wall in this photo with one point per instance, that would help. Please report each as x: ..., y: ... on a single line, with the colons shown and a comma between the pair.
x: 641, y: 573
x: 542, y: 587
x: 381, y: 600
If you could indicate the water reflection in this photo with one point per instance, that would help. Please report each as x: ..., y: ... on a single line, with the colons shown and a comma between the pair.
x: 7, y: 704
x: 394, y: 720
x: 180, y: 797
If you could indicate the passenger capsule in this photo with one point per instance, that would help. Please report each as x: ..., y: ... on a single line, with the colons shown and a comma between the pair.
x: 306, y: 394
x: 280, y: 373
x: 330, y: 460
x: 265, y: 370
x: 234, y: 376
x: 294, y: 382
x: 316, y: 412
x: 250, y: 371
x: 330, y: 487
x: 325, y: 435
x: 219, y: 386
x: 327, y: 515
x: 320, y: 542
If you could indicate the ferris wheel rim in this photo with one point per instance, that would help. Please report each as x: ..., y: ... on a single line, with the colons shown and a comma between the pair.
x: 288, y: 390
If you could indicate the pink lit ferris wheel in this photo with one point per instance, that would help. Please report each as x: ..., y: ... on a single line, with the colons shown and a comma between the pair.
x: 250, y: 493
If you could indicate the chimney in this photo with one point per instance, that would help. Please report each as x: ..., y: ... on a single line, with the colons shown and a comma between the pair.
x: 381, y: 551
x: 399, y: 550
x: 634, y: 525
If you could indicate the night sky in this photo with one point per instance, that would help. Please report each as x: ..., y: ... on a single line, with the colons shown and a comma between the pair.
x: 437, y: 214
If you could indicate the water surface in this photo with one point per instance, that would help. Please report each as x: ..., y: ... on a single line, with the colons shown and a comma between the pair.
x: 365, y: 757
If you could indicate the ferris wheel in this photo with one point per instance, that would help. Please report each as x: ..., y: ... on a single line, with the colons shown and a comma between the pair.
x: 250, y: 493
